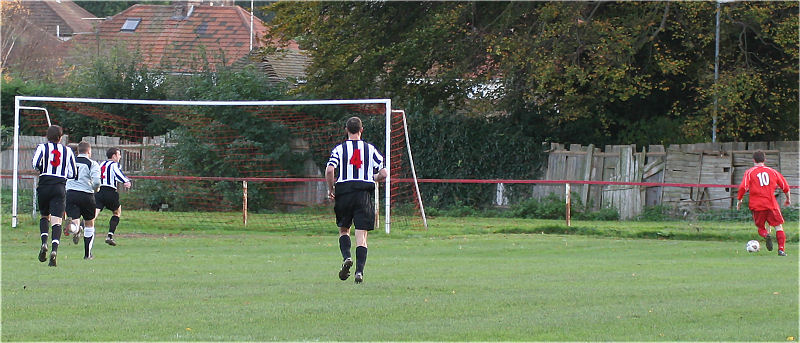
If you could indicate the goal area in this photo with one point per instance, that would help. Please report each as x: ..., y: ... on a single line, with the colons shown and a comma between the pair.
x: 221, y: 165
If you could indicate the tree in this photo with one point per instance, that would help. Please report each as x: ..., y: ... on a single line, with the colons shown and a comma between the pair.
x: 117, y: 73
x: 582, y: 72
x: 14, y: 22
x: 27, y: 50
x: 409, y: 50
x: 758, y: 82
x: 103, y: 9
x: 110, y: 8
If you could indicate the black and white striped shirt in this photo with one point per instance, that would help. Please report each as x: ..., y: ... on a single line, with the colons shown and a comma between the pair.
x: 356, y: 160
x: 55, y: 160
x: 110, y: 174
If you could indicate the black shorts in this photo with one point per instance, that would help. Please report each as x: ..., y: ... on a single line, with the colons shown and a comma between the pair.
x: 80, y: 204
x: 52, y: 199
x: 355, y: 206
x: 106, y: 197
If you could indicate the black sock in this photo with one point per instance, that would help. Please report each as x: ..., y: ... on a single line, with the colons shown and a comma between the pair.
x: 112, y: 225
x: 361, y: 258
x: 344, y: 246
x: 44, y: 228
x: 86, y: 242
x: 56, y: 236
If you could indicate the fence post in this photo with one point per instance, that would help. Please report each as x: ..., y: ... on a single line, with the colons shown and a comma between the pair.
x: 244, y: 202
x: 568, y: 204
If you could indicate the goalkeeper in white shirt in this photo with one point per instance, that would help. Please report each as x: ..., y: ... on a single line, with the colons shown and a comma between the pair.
x: 80, y: 198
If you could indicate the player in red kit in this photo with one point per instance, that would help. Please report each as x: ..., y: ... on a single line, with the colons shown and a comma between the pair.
x: 761, y: 182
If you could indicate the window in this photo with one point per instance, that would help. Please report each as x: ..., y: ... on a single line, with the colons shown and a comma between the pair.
x: 131, y: 24
x: 202, y: 29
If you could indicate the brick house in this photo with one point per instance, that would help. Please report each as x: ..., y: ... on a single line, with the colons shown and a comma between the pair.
x: 62, y: 19
x: 34, y: 33
x: 188, y: 37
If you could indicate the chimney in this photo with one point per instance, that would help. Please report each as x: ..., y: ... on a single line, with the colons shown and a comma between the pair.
x: 179, y: 10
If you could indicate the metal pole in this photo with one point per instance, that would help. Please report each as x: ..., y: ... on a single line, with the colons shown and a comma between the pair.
x: 15, y: 172
x: 387, y: 193
x: 716, y: 77
x: 377, y: 203
x: 251, y: 25
x: 568, y: 204
x: 413, y: 171
x: 244, y: 202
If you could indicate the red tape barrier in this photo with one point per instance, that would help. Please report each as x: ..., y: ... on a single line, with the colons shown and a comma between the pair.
x: 407, y: 180
x: 477, y: 181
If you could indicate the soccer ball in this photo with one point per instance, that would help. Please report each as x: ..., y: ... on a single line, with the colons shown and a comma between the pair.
x: 73, y: 229
x: 752, y: 246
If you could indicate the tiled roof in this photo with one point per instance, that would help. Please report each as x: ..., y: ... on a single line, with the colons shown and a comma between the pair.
x: 278, y: 66
x: 63, y: 17
x: 175, y: 41
x: 36, y: 53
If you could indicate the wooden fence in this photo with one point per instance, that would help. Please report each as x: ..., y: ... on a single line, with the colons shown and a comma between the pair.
x: 134, y: 155
x: 704, y: 163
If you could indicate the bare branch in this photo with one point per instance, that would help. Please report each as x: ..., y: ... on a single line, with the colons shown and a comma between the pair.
x: 596, y: 6
x: 663, y: 22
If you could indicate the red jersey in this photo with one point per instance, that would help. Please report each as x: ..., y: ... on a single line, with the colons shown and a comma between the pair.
x: 761, y: 182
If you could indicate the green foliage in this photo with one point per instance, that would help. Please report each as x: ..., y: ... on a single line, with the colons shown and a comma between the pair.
x: 117, y: 74
x: 656, y: 213
x: 6, y: 136
x: 11, y: 86
x: 259, y: 8
x: 371, y: 49
x: 607, y: 214
x: 465, y: 147
x: 179, y: 195
x: 268, y: 140
x: 196, y: 150
x: 580, y: 72
x: 550, y: 207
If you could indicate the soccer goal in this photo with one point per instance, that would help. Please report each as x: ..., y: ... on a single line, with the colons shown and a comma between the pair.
x: 209, y: 165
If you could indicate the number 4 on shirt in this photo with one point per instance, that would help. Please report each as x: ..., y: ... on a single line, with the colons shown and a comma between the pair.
x: 355, y: 160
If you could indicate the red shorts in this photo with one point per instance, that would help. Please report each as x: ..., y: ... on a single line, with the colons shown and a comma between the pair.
x: 772, y: 217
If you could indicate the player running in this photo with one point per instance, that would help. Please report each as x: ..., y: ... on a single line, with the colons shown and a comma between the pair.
x: 55, y: 163
x: 353, y: 191
x: 107, y: 196
x: 761, y: 182
x: 80, y: 198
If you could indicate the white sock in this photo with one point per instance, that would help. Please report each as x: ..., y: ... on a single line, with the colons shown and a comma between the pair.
x: 88, y: 232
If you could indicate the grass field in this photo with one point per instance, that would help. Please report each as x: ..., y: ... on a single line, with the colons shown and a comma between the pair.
x: 465, y: 279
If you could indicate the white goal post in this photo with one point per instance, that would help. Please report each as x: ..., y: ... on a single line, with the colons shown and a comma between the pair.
x: 387, y: 103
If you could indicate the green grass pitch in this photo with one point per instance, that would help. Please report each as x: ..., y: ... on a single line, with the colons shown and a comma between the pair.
x: 452, y: 283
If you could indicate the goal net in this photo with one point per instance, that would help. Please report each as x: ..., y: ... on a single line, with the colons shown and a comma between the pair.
x: 217, y: 165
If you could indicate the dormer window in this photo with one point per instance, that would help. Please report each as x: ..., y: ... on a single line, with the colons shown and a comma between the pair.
x: 131, y: 24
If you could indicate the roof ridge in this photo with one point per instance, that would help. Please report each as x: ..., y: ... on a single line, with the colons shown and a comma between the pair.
x: 67, y: 12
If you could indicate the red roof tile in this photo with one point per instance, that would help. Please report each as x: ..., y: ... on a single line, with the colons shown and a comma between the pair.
x: 176, y: 42
x: 63, y: 18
